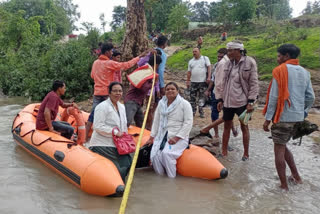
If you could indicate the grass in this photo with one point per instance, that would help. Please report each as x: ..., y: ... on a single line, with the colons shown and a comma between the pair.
x: 259, y: 47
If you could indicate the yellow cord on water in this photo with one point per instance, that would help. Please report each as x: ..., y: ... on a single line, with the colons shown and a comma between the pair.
x: 135, y: 157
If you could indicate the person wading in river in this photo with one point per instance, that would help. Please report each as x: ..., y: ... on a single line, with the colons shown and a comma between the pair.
x: 290, y: 96
x: 237, y: 92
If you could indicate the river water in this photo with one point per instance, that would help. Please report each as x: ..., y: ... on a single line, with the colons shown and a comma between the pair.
x: 27, y: 186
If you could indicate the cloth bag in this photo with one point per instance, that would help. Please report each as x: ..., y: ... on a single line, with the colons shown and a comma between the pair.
x: 124, y: 144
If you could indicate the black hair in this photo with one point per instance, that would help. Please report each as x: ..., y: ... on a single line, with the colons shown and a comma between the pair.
x: 223, y: 51
x: 57, y: 84
x: 174, y: 84
x: 161, y: 40
x: 113, y: 84
x: 290, y: 49
x: 106, y: 47
x: 116, y: 53
x: 243, y: 52
x: 151, y: 60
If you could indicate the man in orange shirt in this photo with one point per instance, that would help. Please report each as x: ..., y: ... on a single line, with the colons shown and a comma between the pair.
x: 102, y: 73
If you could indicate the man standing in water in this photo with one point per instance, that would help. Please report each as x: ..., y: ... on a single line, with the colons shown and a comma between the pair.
x: 217, y: 76
x: 237, y: 92
x: 290, y: 96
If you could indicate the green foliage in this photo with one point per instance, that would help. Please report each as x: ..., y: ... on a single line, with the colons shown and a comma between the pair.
x: 118, y: 17
x: 31, y: 60
x: 31, y: 70
x: 259, y: 47
x: 58, y: 16
x: 243, y: 10
x: 116, y: 36
x: 157, y: 12
x: 273, y: 9
x: 277, y: 35
x: 178, y: 20
x: 200, y: 12
x: 312, y: 8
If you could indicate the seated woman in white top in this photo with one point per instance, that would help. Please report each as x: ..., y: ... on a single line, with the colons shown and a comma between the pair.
x: 109, y: 114
x: 170, y: 131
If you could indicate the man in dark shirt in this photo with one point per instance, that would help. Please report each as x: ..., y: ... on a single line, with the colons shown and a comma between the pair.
x: 49, y: 109
x: 134, y: 98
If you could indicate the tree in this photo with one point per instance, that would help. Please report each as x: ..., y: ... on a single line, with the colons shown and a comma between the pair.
x: 157, y: 12
x: 213, y: 11
x: 118, y: 17
x: 243, y: 10
x: 61, y: 14
x: 308, y: 9
x: 200, y: 12
x: 283, y: 10
x: 87, y: 26
x: 224, y: 9
x: 178, y: 20
x: 103, y: 22
x: 316, y: 7
x: 274, y: 9
x: 135, y: 40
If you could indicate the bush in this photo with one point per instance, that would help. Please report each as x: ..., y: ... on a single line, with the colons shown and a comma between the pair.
x: 32, y: 69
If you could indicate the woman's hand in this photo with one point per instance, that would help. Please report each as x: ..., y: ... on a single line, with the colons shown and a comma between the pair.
x: 174, y: 140
x: 150, y: 141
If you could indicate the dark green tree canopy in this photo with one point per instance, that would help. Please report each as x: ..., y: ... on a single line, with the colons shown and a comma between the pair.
x: 118, y: 17
x: 200, y: 12
x: 58, y: 16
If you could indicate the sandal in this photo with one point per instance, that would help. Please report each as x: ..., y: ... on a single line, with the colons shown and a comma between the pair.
x: 244, y: 158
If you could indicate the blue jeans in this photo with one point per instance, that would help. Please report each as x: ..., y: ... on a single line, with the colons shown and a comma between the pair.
x: 96, y: 101
x: 64, y: 128
x: 214, y: 109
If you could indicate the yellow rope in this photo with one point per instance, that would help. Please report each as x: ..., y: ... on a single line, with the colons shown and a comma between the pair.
x: 135, y: 158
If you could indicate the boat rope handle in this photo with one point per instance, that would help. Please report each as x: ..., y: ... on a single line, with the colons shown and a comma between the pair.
x: 69, y: 145
x: 126, y: 193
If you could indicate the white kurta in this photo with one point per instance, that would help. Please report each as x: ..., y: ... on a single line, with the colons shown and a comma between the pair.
x: 180, y: 122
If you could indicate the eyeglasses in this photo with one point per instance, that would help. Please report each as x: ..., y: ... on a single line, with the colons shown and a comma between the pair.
x: 116, y: 91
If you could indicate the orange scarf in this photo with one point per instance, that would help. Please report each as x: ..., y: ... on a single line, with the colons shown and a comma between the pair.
x: 103, y: 57
x: 280, y: 74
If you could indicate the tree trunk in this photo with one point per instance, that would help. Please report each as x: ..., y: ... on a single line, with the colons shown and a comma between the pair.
x: 135, y: 40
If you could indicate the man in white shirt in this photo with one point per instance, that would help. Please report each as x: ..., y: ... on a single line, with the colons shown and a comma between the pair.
x: 198, y: 78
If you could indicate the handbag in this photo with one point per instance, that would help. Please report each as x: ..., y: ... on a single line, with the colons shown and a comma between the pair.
x: 144, y: 156
x: 124, y: 144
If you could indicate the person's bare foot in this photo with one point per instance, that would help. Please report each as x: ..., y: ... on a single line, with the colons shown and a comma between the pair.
x: 284, y: 187
x: 294, y: 181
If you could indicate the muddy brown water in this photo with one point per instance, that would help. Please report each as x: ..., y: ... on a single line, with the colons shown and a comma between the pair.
x: 27, y: 186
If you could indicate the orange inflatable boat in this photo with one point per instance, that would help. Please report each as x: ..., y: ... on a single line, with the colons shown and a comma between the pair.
x: 89, y: 171
x: 194, y: 161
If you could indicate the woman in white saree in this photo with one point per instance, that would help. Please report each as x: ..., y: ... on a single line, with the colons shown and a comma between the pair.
x: 170, y: 131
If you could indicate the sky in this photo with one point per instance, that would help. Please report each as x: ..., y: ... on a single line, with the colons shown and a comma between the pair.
x: 91, y: 9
